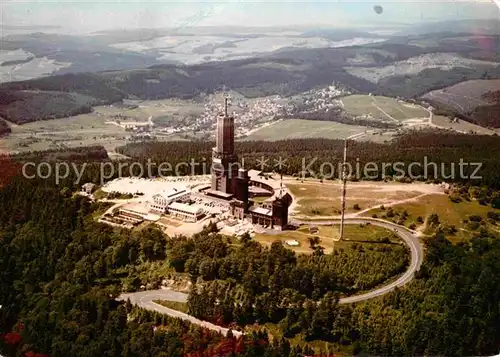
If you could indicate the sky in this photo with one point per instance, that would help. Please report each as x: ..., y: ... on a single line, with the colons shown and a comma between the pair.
x: 91, y: 15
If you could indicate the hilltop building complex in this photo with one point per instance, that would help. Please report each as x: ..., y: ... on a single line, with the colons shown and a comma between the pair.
x: 227, y: 194
x: 235, y: 184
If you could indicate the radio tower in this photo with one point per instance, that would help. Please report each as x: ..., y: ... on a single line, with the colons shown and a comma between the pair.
x: 344, y: 184
x: 281, y: 183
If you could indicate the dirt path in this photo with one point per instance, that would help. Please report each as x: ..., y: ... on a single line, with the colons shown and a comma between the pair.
x: 393, y: 203
x: 423, y: 190
x: 374, y: 103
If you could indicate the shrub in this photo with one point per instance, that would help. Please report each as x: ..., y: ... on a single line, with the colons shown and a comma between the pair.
x: 473, y: 226
x: 475, y: 218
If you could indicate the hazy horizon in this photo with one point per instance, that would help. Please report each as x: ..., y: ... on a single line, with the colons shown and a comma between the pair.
x: 90, y: 16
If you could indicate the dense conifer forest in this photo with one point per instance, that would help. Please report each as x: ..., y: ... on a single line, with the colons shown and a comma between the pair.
x: 4, y: 128
x: 304, y: 156
x: 60, y: 272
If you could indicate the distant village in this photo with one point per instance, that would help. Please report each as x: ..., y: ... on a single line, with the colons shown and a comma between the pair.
x: 250, y: 114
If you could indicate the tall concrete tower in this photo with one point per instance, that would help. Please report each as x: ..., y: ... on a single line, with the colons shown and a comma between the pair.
x: 224, y: 160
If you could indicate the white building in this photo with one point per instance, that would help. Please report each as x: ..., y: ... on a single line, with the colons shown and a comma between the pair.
x: 190, y: 213
x: 88, y: 188
x: 162, y: 200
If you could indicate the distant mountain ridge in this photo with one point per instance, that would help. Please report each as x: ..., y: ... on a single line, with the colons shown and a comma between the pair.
x: 285, y: 72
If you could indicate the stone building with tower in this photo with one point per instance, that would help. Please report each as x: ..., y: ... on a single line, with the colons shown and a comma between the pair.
x: 234, y: 184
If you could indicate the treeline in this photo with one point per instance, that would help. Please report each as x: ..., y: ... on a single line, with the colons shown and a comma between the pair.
x: 450, y: 309
x: 60, y: 274
x: 4, y: 128
x: 88, y: 154
x: 412, y: 86
x: 24, y: 107
x: 340, y: 117
x: 487, y: 115
x: 483, y: 115
x: 437, y: 157
x: 252, y: 284
x: 87, y: 84
x: 305, y: 157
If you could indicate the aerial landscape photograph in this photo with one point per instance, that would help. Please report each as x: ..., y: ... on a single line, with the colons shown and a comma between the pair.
x: 249, y: 178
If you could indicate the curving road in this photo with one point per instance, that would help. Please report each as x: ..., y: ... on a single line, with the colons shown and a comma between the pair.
x: 407, y: 235
x: 145, y: 299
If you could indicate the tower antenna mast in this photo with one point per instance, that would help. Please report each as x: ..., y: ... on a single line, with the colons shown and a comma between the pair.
x: 225, y: 106
x: 281, y: 183
x: 344, y: 186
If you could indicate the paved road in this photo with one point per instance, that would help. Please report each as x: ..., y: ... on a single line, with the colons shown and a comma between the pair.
x: 407, y: 235
x: 145, y: 299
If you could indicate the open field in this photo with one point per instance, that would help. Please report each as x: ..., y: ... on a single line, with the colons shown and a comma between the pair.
x: 97, y: 128
x: 300, y: 129
x: 19, y: 65
x: 449, y: 213
x: 329, y: 236
x: 174, y: 305
x: 218, y: 46
x: 382, y: 108
x: 166, y: 111
x: 417, y: 64
x: 461, y: 125
x: 466, y: 96
x: 315, y: 199
x: 80, y: 130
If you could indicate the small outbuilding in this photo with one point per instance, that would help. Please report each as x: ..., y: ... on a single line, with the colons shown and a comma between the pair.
x: 88, y: 188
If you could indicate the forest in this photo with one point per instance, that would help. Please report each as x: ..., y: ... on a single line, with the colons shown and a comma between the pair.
x: 22, y: 107
x: 61, y: 271
x: 4, y: 128
x: 304, y: 158
x: 441, y: 147
x: 285, y: 72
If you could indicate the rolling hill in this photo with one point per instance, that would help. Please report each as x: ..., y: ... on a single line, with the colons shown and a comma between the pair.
x: 476, y: 100
x: 4, y: 128
x: 285, y: 72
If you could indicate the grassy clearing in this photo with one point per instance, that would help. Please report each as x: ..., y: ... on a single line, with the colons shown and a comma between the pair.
x: 329, y: 236
x: 169, y: 222
x: 449, y: 213
x: 462, y: 125
x: 93, y: 129
x: 382, y: 108
x: 81, y: 130
x: 174, y: 305
x: 164, y: 109
x: 274, y: 331
x: 301, y: 129
x: 324, y: 199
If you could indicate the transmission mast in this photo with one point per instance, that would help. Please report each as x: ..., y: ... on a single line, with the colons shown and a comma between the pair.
x: 344, y: 186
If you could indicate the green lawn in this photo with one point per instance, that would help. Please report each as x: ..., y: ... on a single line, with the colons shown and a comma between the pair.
x: 300, y: 129
x: 363, y: 104
x: 174, y: 305
x: 329, y: 236
x: 449, y: 213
